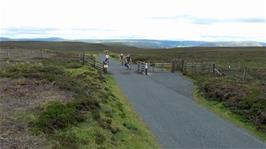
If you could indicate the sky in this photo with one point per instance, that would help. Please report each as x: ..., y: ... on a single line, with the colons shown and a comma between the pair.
x: 202, y: 20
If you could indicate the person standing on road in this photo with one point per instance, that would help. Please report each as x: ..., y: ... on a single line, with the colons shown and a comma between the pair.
x: 122, y: 59
x: 128, y: 61
x: 106, y: 61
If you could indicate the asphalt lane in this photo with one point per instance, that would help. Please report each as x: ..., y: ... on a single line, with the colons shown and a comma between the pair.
x: 164, y: 102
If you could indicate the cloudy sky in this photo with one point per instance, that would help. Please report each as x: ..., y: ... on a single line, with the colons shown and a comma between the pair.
x: 208, y: 20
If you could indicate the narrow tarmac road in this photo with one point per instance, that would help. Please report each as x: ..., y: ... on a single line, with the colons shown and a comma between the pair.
x: 164, y: 102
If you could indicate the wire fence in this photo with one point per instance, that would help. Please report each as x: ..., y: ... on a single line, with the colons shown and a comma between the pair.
x: 22, y: 54
x: 8, y: 56
x: 234, y: 70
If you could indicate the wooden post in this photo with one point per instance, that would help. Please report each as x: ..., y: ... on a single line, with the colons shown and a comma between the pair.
x: 83, y: 58
x: 192, y: 67
x: 8, y: 53
x: 244, y: 74
x: 94, y: 61
x: 139, y: 71
x: 173, y: 69
x: 202, y: 67
x: 213, y: 68
x: 182, y: 65
x: 142, y: 68
x: 42, y: 53
x: 101, y: 74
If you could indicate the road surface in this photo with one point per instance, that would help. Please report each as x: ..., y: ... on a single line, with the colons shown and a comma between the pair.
x: 165, y: 103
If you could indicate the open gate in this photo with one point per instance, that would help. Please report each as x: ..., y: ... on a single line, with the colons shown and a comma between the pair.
x: 145, y: 68
x: 179, y: 65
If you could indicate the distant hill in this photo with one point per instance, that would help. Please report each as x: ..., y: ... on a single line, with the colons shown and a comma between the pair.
x: 235, y: 44
x: 51, y: 39
x: 151, y: 44
x: 62, y: 45
x: 148, y: 44
x: 4, y: 39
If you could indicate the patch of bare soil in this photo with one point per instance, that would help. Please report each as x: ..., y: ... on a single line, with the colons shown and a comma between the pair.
x: 18, y: 97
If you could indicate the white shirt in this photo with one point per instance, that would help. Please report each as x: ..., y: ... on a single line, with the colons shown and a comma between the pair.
x: 146, y: 66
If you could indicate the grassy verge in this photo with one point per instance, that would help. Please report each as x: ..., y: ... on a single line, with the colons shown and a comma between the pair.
x: 95, y: 116
x: 143, y: 139
x: 225, y: 113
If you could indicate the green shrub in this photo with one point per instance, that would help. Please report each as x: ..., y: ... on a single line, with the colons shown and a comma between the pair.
x: 130, y: 126
x: 99, y: 138
x: 57, y: 116
x: 249, y: 101
x: 73, y: 65
x: 65, y: 140
x: 114, y: 55
x: 96, y: 115
x: 105, y: 123
x: 50, y: 73
x: 87, y: 105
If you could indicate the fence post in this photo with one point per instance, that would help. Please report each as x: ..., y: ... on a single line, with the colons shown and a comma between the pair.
x: 101, y: 74
x: 8, y: 53
x: 41, y: 53
x: 138, y: 67
x: 94, y: 61
x: 182, y: 65
x: 213, y: 68
x: 192, y: 67
x: 83, y: 58
x: 244, y: 74
x: 173, y: 69
x: 202, y: 67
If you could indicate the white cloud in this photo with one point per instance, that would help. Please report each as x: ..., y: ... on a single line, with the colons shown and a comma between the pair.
x: 127, y: 19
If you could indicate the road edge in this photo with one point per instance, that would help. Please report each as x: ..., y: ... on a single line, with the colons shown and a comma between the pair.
x: 130, y: 109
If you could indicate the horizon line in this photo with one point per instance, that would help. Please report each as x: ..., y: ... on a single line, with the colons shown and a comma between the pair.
x: 80, y: 39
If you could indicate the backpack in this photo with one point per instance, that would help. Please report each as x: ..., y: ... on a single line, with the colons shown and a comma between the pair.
x: 106, y: 60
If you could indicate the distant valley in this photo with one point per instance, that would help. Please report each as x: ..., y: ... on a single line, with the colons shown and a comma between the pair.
x: 149, y: 44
